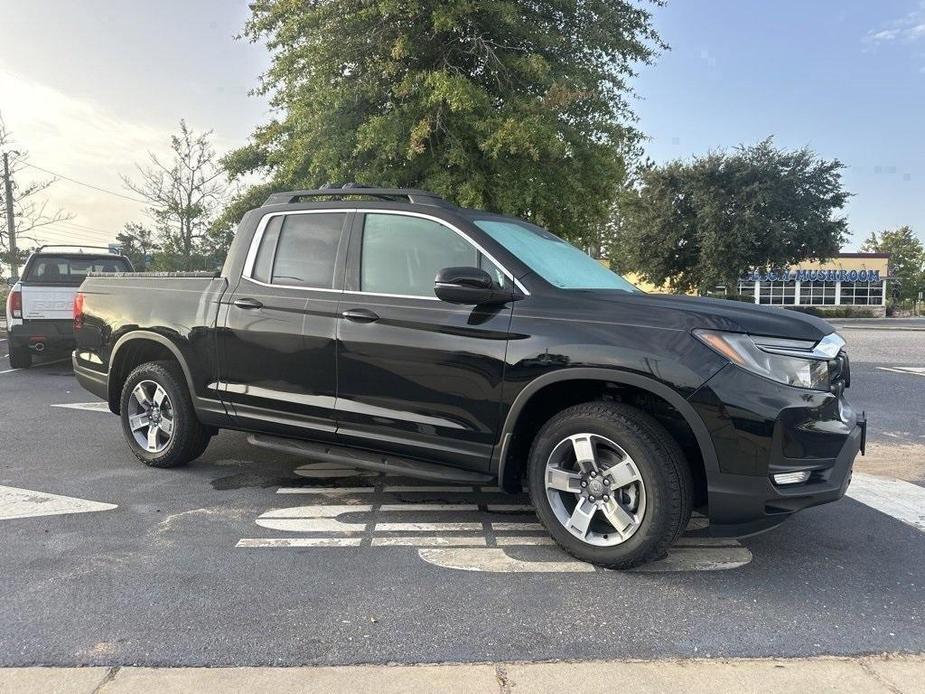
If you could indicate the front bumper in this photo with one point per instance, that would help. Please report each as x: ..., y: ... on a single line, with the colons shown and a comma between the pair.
x: 760, y: 428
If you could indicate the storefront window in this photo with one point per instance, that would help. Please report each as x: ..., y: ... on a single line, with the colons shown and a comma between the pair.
x: 817, y: 293
x: 862, y: 293
x: 778, y: 293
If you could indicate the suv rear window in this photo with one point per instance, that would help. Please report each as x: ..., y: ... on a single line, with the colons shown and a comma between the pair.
x: 56, y: 269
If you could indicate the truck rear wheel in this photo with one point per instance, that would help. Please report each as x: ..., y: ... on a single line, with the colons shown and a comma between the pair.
x: 158, y: 418
x: 20, y: 357
x: 610, y: 484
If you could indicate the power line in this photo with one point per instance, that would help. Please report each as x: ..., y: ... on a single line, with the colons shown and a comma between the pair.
x: 86, y: 185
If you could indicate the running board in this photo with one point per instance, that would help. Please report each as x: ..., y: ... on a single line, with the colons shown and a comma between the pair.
x: 380, y: 462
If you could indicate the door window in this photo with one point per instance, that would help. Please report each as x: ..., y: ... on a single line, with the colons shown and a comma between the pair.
x: 402, y: 255
x: 299, y: 250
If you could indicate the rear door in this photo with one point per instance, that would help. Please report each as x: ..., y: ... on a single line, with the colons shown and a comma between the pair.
x: 277, y: 344
x: 418, y: 376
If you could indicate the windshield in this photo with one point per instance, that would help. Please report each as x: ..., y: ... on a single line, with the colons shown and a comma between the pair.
x: 557, y: 262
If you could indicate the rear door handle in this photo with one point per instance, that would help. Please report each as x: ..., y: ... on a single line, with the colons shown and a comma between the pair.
x: 360, y: 315
x: 247, y: 303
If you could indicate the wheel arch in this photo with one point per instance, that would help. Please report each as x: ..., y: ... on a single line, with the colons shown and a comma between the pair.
x: 508, y: 468
x: 135, y: 348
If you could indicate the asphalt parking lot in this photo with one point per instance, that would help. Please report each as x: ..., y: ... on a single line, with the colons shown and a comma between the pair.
x: 254, y: 558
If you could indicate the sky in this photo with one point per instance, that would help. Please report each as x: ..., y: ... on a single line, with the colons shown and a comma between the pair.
x: 88, y: 88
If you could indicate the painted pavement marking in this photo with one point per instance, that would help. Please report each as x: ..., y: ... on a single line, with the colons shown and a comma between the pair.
x: 915, y: 370
x: 97, y: 406
x: 26, y: 503
x: 453, y: 527
x: 903, y: 501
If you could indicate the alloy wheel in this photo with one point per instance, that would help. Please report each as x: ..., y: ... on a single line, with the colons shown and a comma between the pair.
x: 595, y: 489
x: 151, y: 416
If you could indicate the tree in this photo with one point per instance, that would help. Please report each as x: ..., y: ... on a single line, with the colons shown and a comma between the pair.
x: 184, y: 194
x: 515, y: 107
x: 30, y: 211
x: 907, y: 258
x: 704, y: 223
x: 137, y: 242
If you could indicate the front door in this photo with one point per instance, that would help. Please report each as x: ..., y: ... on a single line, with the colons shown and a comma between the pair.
x: 417, y: 375
x: 277, y: 348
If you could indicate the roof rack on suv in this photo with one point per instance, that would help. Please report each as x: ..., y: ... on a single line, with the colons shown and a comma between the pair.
x: 412, y: 195
x: 80, y: 247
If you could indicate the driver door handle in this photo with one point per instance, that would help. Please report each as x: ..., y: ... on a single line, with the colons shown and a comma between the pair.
x: 247, y: 303
x: 360, y: 315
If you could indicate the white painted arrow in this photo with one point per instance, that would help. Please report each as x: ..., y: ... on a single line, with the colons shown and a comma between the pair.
x: 26, y: 503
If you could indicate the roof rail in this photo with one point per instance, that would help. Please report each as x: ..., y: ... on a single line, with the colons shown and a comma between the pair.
x: 412, y: 195
x: 79, y: 247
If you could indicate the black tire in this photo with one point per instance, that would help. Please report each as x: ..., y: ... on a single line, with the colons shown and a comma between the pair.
x: 659, y: 460
x: 189, y: 437
x: 20, y: 358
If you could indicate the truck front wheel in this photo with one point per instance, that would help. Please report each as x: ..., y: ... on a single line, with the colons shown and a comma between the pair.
x: 610, y: 484
x: 158, y: 418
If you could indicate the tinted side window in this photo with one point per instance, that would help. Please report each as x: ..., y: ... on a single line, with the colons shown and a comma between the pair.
x: 306, y: 250
x: 264, y: 261
x: 402, y: 255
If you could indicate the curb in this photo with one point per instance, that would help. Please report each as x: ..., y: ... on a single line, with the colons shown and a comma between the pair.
x: 889, y: 674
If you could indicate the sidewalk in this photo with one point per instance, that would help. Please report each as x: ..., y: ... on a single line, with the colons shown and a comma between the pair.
x: 913, y: 324
x: 868, y: 675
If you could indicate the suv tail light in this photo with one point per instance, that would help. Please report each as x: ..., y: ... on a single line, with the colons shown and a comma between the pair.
x: 14, y: 304
x: 78, y: 310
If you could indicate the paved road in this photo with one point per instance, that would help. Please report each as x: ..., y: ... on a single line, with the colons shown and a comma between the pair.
x: 183, y: 571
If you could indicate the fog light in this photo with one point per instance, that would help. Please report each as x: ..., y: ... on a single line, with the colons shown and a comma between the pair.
x: 791, y: 477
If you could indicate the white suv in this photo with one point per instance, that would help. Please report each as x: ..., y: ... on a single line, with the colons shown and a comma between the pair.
x: 39, y: 308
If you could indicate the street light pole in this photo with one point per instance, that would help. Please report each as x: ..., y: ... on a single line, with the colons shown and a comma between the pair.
x: 10, y: 221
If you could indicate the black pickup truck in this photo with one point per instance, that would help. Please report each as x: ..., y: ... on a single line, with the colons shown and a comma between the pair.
x: 389, y: 329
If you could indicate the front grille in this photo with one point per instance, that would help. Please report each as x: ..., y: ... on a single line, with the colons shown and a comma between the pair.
x: 840, y: 372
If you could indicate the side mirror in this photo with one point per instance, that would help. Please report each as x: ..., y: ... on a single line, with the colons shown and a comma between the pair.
x: 468, y: 285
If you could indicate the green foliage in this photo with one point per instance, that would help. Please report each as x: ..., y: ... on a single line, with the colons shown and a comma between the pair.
x: 137, y: 242
x: 515, y: 107
x: 184, y: 194
x: 699, y: 224
x: 907, y: 258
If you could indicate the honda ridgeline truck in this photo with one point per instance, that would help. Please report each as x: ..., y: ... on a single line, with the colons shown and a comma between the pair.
x: 388, y: 329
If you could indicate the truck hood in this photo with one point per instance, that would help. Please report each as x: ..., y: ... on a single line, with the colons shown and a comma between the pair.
x: 688, y: 312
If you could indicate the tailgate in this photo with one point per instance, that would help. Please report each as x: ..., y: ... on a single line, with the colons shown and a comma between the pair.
x: 48, y: 302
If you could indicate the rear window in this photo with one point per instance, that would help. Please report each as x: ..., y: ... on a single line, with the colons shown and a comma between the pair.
x: 52, y: 269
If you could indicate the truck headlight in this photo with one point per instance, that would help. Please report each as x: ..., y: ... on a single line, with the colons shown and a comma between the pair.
x: 799, y: 363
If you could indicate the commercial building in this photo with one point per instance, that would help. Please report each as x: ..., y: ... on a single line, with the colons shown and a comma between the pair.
x: 857, y: 281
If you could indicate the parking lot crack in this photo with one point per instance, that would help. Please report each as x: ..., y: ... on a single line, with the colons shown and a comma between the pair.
x: 501, y: 675
x: 107, y: 678
x: 871, y: 672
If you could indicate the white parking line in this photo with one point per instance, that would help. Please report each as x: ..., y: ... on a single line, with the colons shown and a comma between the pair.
x: 446, y: 541
x: 496, y: 560
x: 326, y: 491
x: 915, y: 370
x: 901, y: 500
x: 98, y: 406
x: 428, y: 527
x: 300, y: 542
x: 457, y: 540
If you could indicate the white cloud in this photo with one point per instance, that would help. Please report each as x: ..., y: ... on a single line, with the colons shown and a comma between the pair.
x: 909, y: 28
x: 83, y: 140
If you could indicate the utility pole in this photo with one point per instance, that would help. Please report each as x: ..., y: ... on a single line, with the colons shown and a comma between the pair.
x: 10, y: 222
